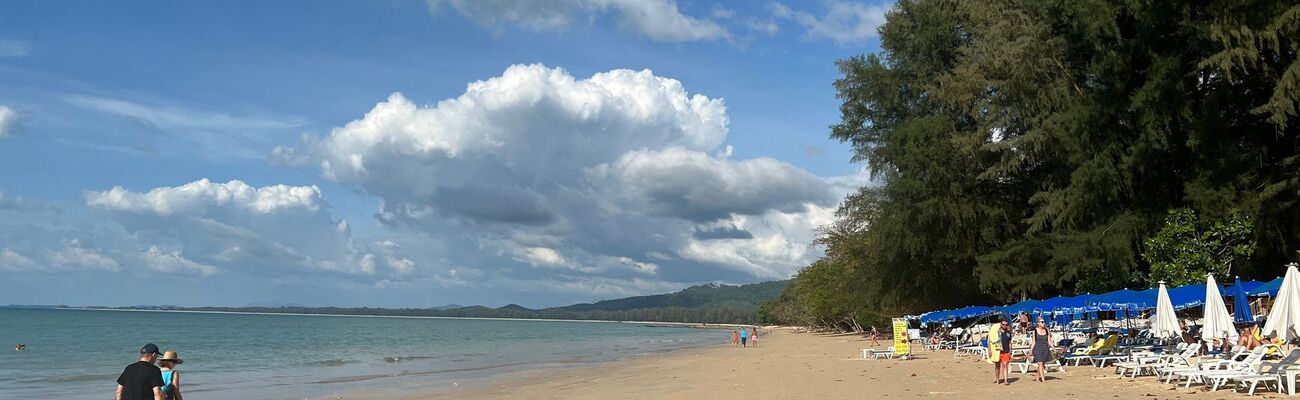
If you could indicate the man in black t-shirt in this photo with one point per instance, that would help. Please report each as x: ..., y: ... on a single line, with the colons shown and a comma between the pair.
x: 141, y: 380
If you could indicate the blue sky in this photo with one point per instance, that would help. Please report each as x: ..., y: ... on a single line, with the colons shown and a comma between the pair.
x: 408, y: 153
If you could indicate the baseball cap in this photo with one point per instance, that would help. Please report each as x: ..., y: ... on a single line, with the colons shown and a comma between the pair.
x: 150, y: 348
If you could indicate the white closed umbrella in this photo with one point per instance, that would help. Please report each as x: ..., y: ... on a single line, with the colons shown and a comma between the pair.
x: 1218, y: 324
x: 1285, y: 315
x: 1164, y: 324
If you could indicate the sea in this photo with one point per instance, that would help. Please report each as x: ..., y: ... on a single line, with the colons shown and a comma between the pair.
x: 78, y: 354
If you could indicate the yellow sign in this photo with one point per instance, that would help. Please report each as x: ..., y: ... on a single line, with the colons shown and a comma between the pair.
x: 901, y: 345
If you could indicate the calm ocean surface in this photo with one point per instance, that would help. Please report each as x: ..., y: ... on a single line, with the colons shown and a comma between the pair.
x: 77, y: 354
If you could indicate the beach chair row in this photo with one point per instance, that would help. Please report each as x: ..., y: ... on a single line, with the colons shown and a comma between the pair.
x: 1239, y: 368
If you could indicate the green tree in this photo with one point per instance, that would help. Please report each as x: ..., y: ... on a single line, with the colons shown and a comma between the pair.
x: 1186, y: 248
x: 1028, y: 149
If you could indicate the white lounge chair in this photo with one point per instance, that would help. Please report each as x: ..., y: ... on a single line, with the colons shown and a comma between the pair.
x: 1212, y: 373
x: 877, y: 354
x: 1026, y: 364
x: 1167, y: 373
x: 1143, y: 362
x: 1269, y: 373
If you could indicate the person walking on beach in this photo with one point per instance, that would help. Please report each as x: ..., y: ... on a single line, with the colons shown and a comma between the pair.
x: 874, y: 334
x: 735, y: 337
x: 141, y: 380
x: 1004, y: 359
x: 171, y: 388
x: 1041, y: 347
x: 744, y: 337
x: 753, y: 336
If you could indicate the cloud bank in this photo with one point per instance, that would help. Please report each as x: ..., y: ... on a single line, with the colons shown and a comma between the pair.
x: 619, y: 178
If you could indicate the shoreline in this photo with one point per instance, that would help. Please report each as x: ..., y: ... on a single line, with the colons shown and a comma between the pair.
x: 790, y: 365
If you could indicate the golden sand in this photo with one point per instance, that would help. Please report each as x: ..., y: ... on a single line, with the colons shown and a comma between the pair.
x: 791, y: 365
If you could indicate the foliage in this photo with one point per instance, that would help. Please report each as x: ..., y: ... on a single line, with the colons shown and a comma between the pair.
x: 1186, y: 248
x: 1028, y: 149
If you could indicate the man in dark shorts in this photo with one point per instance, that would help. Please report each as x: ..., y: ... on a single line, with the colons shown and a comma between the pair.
x: 141, y: 380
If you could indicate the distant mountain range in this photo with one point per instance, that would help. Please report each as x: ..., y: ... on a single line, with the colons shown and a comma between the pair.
x: 711, y: 303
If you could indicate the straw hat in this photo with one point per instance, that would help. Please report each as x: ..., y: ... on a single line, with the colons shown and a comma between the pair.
x: 171, y: 356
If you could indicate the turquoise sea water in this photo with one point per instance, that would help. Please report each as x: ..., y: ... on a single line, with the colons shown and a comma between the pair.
x: 77, y: 354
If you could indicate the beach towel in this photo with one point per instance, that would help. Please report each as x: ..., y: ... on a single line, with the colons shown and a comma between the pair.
x: 995, y: 345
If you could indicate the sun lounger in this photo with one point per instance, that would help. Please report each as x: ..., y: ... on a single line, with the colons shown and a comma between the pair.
x: 877, y: 354
x: 1101, y: 360
x: 1025, y: 365
x: 1205, y: 362
x: 1270, y: 373
x: 1212, y: 372
x: 1150, y: 362
x: 1098, y: 348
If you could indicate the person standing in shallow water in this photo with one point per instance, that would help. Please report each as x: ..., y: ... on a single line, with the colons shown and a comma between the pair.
x: 141, y: 380
x: 171, y: 388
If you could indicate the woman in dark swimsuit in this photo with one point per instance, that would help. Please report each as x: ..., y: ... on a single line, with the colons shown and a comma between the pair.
x: 1041, y: 348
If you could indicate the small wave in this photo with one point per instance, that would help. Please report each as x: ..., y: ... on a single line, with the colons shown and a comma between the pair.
x: 76, y: 378
x: 332, y: 363
x: 344, y: 379
x: 406, y: 358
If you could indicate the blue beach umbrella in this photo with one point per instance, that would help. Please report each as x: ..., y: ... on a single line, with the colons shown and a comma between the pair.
x: 1240, y: 306
x: 1268, y: 289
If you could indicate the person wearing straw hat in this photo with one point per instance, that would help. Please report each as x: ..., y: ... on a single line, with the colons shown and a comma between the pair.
x: 171, y: 388
x: 141, y: 380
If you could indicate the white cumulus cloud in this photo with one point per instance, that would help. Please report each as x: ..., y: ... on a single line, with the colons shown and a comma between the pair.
x: 74, y: 255
x: 694, y: 186
x: 270, y: 230
x: 201, y: 195
x: 616, y: 182
x: 174, y: 262
x: 11, y: 260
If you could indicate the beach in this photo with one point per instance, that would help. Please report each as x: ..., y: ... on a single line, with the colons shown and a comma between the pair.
x: 790, y: 365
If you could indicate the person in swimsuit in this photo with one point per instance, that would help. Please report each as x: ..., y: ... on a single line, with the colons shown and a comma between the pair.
x: 1041, y: 347
x: 735, y: 337
x: 753, y: 336
x: 874, y: 334
x: 171, y: 388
